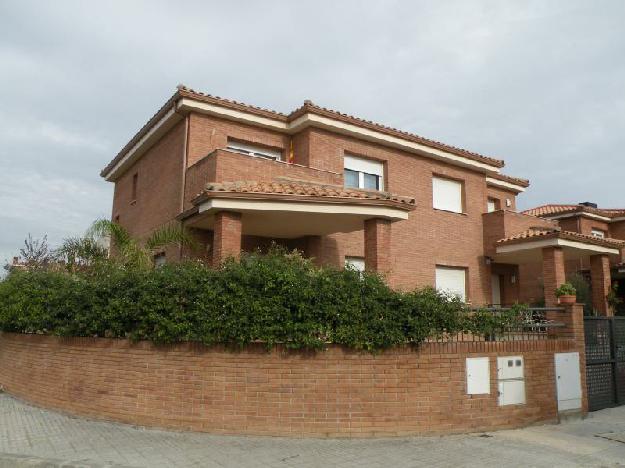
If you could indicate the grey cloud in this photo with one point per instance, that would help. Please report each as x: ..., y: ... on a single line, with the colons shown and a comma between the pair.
x: 536, y: 83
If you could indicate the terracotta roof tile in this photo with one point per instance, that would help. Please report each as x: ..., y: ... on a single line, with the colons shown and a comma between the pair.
x: 553, y: 209
x: 304, y: 189
x: 541, y: 233
x: 308, y: 106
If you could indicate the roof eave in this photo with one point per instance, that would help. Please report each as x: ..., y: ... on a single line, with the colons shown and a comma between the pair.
x: 206, y: 195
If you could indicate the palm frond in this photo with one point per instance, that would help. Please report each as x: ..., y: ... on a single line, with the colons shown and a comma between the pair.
x: 170, y: 234
x: 119, y: 236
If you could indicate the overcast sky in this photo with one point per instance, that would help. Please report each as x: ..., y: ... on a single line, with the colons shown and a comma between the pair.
x: 539, y: 84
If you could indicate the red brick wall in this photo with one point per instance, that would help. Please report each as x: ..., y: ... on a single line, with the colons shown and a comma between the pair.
x: 332, y: 393
x: 227, y: 166
x: 502, y: 195
x: 208, y: 133
x: 429, y: 237
x: 378, y: 245
x: 601, y: 283
x: 227, y: 236
x: 159, y: 186
x: 553, y: 273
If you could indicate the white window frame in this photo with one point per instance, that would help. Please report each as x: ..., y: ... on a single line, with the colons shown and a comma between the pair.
x: 444, y: 196
x: 596, y: 232
x: 491, y: 205
x: 250, y: 149
x: 460, y: 274
x: 357, y: 263
x: 365, y: 166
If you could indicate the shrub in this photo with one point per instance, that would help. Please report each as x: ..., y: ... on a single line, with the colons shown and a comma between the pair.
x: 565, y: 289
x: 279, y: 297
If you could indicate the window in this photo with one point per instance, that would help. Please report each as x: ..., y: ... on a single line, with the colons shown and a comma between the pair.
x: 363, y: 173
x: 254, y: 150
x: 135, y: 180
x: 492, y: 204
x: 159, y: 260
x: 447, y: 195
x: 452, y: 280
x: 357, y: 263
x: 598, y: 233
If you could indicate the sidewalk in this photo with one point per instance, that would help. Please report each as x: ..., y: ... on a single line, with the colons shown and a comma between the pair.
x: 32, y: 437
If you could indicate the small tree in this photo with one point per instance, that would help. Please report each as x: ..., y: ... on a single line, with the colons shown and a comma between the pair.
x: 79, y: 253
x: 36, y: 254
x: 133, y: 252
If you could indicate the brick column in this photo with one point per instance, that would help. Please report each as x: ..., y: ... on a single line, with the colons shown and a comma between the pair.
x: 378, y: 245
x: 314, y: 246
x: 226, y: 236
x: 553, y: 273
x: 601, y: 283
x: 572, y: 316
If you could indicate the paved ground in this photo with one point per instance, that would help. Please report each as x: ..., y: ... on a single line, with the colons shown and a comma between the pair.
x: 31, y: 436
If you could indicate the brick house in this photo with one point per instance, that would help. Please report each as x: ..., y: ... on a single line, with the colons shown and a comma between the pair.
x: 348, y: 191
x: 586, y: 219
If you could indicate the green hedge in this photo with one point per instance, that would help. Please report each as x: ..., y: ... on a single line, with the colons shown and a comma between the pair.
x: 272, y: 298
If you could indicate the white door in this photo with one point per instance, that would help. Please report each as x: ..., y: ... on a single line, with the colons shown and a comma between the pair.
x: 496, y: 287
x: 568, y: 381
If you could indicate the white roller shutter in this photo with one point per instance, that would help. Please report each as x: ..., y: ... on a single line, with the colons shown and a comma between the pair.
x: 365, y: 166
x: 447, y: 194
x: 254, y: 150
x: 452, y: 280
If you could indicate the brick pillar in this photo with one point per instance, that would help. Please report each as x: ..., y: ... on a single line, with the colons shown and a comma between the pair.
x: 314, y: 245
x: 573, y: 319
x: 226, y: 236
x: 378, y: 245
x: 553, y: 273
x: 601, y: 283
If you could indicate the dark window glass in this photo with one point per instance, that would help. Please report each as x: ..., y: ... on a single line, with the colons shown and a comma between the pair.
x: 351, y: 178
x: 372, y: 182
x: 135, y: 179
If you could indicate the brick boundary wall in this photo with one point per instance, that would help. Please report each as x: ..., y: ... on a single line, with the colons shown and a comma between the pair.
x: 332, y: 393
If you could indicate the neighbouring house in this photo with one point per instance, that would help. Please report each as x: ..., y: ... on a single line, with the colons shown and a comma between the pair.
x: 586, y: 220
x: 344, y: 190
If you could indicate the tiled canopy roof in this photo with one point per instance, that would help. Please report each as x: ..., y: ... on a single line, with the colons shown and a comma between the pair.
x: 302, y: 190
x: 540, y: 233
x: 308, y: 106
x: 553, y: 210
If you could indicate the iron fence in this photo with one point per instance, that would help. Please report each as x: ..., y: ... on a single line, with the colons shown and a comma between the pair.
x: 532, y: 324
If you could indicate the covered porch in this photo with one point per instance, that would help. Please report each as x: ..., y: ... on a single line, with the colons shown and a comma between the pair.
x: 297, y: 214
x: 549, y: 251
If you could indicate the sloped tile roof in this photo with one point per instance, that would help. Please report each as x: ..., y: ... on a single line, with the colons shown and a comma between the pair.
x: 540, y: 233
x: 308, y: 106
x: 303, y: 190
x: 553, y: 210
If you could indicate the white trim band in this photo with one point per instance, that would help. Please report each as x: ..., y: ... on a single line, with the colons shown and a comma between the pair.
x: 556, y: 243
x: 305, y: 207
x: 503, y: 184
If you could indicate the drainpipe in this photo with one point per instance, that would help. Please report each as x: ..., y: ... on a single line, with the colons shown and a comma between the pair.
x: 185, y: 160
